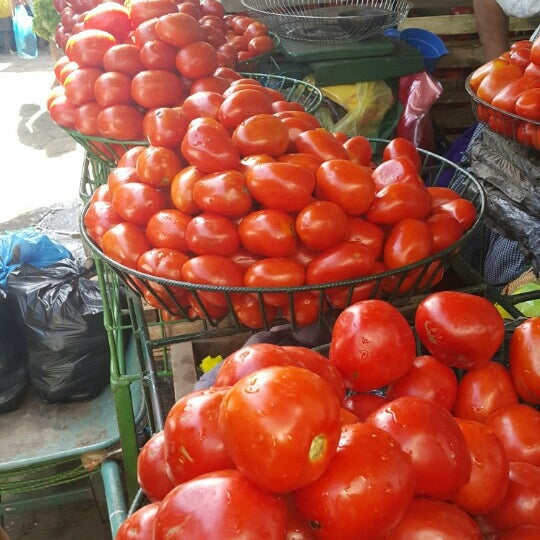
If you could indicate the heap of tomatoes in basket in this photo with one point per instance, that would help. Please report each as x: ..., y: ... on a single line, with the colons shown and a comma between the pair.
x: 122, y: 60
x: 372, y: 443
x: 511, y: 83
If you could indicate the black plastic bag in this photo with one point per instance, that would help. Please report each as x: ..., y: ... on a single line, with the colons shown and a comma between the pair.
x: 13, y: 359
x: 61, y: 312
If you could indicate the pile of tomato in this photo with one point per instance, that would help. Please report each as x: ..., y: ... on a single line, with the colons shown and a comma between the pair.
x: 511, y: 84
x: 123, y: 60
x: 378, y: 440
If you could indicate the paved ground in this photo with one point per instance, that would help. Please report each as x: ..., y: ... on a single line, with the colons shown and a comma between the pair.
x: 40, y: 172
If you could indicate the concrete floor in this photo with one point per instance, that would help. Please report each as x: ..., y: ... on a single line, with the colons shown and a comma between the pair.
x: 40, y: 172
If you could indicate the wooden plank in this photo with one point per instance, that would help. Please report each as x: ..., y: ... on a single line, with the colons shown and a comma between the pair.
x: 453, y: 118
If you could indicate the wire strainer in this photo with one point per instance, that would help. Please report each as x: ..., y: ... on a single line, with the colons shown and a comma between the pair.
x: 322, y: 21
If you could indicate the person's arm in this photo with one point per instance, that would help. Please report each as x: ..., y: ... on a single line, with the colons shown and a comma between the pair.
x: 492, y: 27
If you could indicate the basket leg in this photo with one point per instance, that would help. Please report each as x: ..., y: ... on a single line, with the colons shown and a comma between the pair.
x: 114, y: 494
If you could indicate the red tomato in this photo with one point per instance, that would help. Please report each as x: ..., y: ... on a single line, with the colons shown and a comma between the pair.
x: 432, y: 518
x: 398, y: 201
x: 156, y: 54
x: 157, y: 166
x: 481, y: 391
x: 154, y: 88
x: 298, y: 441
x: 362, y: 404
x: 113, y: 88
x: 282, y: 186
x: 99, y: 218
x: 431, y: 437
x: 165, y: 126
x: 242, y: 104
x: 202, y: 103
x: 212, y: 234
x: 209, y: 147
x: 535, y: 52
x: 182, y: 189
x: 429, y: 379
x: 488, y: 482
x: 196, y: 59
x: 137, y: 202
x: 440, y: 195
x: 252, y: 313
x: 310, y: 119
x: 237, y: 505
x: 371, y: 235
x: 167, y: 228
x: 121, y: 122
x: 495, y: 81
x: 528, y: 104
x: 143, y: 10
x: 246, y: 163
x: 125, y: 243
x: 394, y: 170
x: 321, y: 143
x: 338, y: 506
x: 88, y: 47
x: 153, y: 473
x: 462, y: 210
x: 268, y: 232
x: 321, y: 225
x: 359, y: 150
x: 445, y: 231
x: 121, y: 175
x: 124, y: 58
x: 129, y: 157
x: 402, y: 147
x: 480, y: 73
x: 79, y: 85
x: 525, y: 360
x: 305, y: 308
x: 140, y: 524
x: 210, y: 83
x: 506, y: 98
x: 261, y: 134
x: 409, y: 241
x: 85, y: 119
x: 111, y: 17
x: 461, y: 329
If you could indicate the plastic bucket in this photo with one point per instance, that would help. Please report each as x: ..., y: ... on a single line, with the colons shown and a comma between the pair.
x: 430, y: 45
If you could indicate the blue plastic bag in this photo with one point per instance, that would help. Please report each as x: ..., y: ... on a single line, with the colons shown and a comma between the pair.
x: 28, y: 247
x: 25, y: 39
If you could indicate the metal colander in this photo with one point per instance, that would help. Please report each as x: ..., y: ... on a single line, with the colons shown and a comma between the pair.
x: 320, y: 21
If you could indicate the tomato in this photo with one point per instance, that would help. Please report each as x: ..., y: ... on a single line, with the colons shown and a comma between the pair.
x: 321, y: 143
x: 153, y: 88
x: 212, y: 7
x: 253, y: 313
x: 261, y: 134
x: 432, y: 518
x: 202, y: 103
x: 191, y: 8
x: 143, y: 10
x: 167, y: 228
x: 182, y: 189
x: 310, y: 119
x: 101, y: 193
x: 528, y: 104
x: 359, y: 150
x: 517, y: 425
x: 304, y: 309
x: 153, y: 473
x: 196, y: 59
x: 460, y: 209
x: 129, y: 157
x: 362, y: 404
x: 298, y: 441
x: 347, y: 184
x: 521, y: 532
x: 140, y: 524
x: 337, y: 506
x: 79, y: 85
x: 209, y: 147
x: 145, y: 32
x: 99, y: 218
x: 408, y: 242
x: 88, y: 47
x: 371, y: 235
x: 506, y: 98
x: 396, y: 202
x: 124, y: 58
x: 275, y: 272
x: 268, y: 232
x: 432, y: 438
x: 157, y: 166
x: 237, y: 505
x: 397, y: 169
x: 535, y: 52
x: 483, y: 390
x: 342, y: 297
x: 111, y: 17
x: 85, y: 118
x: 282, y: 186
x: 165, y: 126
x: 137, y: 202
x: 445, y: 231
x: 212, y: 234
x: 521, y: 504
x: 495, y: 81
x: 321, y: 225
x: 156, y: 54
x: 125, y: 243
x: 402, y: 147
x: 121, y: 175
x: 113, y: 88
x: 488, y: 482
x: 242, y: 104
x: 440, y: 195
x: 461, y: 329
x: 343, y: 261
x: 429, y: 379
x: 525, y: 361
x: 121, y: 122
x: 528, y: 134
x: 210, y: 83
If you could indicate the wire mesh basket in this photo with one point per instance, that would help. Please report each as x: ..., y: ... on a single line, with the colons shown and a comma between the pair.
x: 397, y: 286
x: 320, y: 21
x: 504, y: 123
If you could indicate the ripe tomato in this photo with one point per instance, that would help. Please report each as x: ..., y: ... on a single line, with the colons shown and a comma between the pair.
x: 140, y: 524
x: 440, y: 195
x: 153, y: 474
x: 268, y: 232
x: 121, y: 175
x: 445, y: 231
x: 305, y: 308
x: 143, y: 10
x: 521, y: 532
x: 409, y: 241
x: 261, y: 134
x: 212, y: 234
x: 362, y: 404
x: 156, y: 54
x: 124, y: 58
x: 495, y: 81
x: 196, y: 59
x: 85, y: 119
x: 461, y: 329
x: 242, y: 104
x: 125, y: 243
x: 337, y: 506
x: 237, y: 505
x: 488, y: 482
x: 157, y: 166
x: 202, y: 103
x: 359, y: 150
x: 429, y: 379
x: 137, y: 202
x: 121, y: 122
x: 402, y: 147
x: 153, y: 88
x: 431, y: 437
x: 524, y: 360
x: 371, y: 235
x: 506, y: 98
x: 481, y: 391
x: 146, y: 31
x: 167, y: 228
x: 347, y: 184
x: 252, y: 313
x: 165, y: 126
x: 88, y: 47
x: 99, y: 218
x: 298, y: 441
x: 358, y: 350
x: 282, y: 186
x: 321, y: 143
x: 246, y: 163
x: 397, y: 169
x: 110, y: 17
x: 182, y: 189
x: 129, y: 157
x: 209, y: 147
x: 79, y: 85
x: 528, y: 104
x: 462, y: 210
x: 113, y: 88
x: 178, y: 29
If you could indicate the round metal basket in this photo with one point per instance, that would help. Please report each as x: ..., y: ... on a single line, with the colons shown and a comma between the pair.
x: 254, y: 63
x: 504, y: 123
x: 397, y: 286
x: 320, y: 21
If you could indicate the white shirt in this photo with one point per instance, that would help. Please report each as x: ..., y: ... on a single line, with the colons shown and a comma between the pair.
x: 520, y: 8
